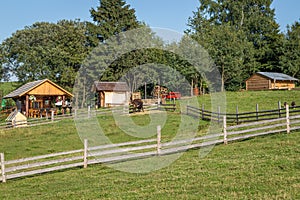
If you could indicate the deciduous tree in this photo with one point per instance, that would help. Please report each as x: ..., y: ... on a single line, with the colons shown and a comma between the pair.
x: 290, y: 60
x: 47, y: 50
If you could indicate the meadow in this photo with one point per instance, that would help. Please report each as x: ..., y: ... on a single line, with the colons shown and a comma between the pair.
x: 260, y: 168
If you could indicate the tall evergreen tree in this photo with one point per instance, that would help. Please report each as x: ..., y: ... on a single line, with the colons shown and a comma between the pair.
x: 110, y: 19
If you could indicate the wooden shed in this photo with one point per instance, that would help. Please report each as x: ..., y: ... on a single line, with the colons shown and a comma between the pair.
x: 38, y: 98
x: 270, y: 81
x: 110, y: 94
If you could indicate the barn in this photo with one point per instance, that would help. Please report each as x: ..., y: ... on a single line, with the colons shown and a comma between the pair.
x: 110, y: 94
x: 270, y: 81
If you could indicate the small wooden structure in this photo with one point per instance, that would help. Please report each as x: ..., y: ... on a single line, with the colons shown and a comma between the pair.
x: 270, y: 81
x: 110, y: 94
x: 38, y: 98
x: 16, y: 119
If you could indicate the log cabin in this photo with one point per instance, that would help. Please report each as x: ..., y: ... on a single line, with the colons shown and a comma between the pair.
x: 270, y: 81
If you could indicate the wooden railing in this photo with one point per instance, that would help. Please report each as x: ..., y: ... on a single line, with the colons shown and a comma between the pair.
x: 77, y: 113
x: 238, y: 118
x: 140, y: 149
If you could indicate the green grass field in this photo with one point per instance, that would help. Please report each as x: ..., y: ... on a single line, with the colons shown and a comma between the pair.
x: 260, y: 168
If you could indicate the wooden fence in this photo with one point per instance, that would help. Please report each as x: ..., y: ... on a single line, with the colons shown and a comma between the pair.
x: 51, y: 118
x: 77, y: 113
x: 140, y: 149
x: 238, y: 118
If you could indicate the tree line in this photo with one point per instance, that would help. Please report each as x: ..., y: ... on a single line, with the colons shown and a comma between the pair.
x: 241, y: 37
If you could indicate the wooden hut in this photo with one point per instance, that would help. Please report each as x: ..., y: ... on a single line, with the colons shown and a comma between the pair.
x: 270, y: 81
x: 38, y: 98
x: 111, y: 93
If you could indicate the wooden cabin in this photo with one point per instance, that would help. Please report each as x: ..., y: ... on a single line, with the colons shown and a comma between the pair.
x: 270, y: 81
x: 110, y: 94
x: 39, y: 98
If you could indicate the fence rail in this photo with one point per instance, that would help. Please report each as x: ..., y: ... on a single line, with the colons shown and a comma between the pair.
x: 77, y: 114
x: 140, y: 149
x: 239, y: 118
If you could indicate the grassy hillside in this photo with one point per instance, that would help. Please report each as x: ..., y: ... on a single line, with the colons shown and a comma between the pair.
x: 259, y: 168
x: 7, y: 87
x: 247, y: 100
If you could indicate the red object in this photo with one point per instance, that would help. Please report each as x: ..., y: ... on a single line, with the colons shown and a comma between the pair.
x: 173, y: 95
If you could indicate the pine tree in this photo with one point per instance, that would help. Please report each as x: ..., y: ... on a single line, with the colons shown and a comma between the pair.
x: 110, y: 19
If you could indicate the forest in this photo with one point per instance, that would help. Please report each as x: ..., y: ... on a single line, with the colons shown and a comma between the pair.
x: 240, y: 37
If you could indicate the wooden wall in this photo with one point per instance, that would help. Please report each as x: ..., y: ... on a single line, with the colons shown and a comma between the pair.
x: 283, y: 85
x: 257, y: 82
x: 46, y: 89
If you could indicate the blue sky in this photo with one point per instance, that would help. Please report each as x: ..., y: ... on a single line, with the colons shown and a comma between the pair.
x: 171, y: 14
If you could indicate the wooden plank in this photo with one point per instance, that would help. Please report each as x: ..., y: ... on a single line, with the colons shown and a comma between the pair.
x: 295, y: 122
x: 225, y: 129
x: 3, y: 175
x: 173, y: 143
x: 255, y: 123
x: 295, y: 128
x: 255, y: 129
x: 295, y: 117
x: 122, y: 157
x: 191, y: 146
x: 122, y: 150
x: 158, y: 148
x: 43, y: 157
x: 40, y: 171
x: 288, y: 128
x: 85, y: 153
x: 255, y: 135
x: 41, y: 164
x: 120, y: 144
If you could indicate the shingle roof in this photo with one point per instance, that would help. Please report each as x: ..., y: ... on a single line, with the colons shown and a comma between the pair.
x: 23, y: 89
x: 29, y: 86
x: 111, y: 86
x: 277, y: 76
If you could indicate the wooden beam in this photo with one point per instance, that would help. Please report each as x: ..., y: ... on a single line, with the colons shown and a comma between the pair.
x: 27, y: 105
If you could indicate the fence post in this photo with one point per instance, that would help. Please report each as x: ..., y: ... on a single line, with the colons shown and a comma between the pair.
x: 279, y: 108
x: 158, y: 140
x: 225, y: 129
x: 257, y: 112
x: 89, y: 111
x: 2, y: 167
x: 187, y: 110
x: 219, y: 113
x: 75, y: 113
x: 237, y: 114
x: 288, y: 128
x: 202, y: 112
x: 85, y: 154
x: 52, y: 115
